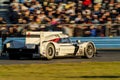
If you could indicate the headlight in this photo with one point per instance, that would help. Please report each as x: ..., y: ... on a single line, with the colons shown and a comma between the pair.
x: 8, y: 45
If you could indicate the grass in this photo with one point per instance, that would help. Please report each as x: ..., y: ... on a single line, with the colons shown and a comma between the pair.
x: 62, y: 71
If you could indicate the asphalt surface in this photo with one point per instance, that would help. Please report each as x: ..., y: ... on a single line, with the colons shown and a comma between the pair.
x: 102, y: 56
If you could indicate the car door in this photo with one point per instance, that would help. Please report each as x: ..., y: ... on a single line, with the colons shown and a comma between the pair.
x: 66, y: 47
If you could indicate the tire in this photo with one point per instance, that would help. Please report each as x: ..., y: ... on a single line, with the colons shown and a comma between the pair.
x: 89, y: 51
x: 50, y: 51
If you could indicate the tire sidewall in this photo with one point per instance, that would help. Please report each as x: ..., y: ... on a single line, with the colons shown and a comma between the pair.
x: 50, y: 47
x: 87, y: 54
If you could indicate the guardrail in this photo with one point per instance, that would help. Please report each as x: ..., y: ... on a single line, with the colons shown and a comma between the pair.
x: 102, y: 43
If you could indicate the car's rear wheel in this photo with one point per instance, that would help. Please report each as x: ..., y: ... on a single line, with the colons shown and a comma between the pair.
x: 50, y: 51
x: 89, y: 50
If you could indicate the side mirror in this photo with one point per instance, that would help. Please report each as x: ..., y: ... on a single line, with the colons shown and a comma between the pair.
x: 78, y: 41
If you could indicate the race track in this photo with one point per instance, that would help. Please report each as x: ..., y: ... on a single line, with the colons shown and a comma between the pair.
x: 104, y: 56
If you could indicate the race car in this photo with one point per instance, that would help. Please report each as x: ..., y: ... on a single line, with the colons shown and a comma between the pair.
x: 48, y: 45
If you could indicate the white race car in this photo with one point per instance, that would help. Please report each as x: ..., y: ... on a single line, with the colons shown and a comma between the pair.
x: 48, y: 45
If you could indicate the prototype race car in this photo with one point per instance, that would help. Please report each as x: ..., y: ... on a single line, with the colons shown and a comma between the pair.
x: 48, y: 45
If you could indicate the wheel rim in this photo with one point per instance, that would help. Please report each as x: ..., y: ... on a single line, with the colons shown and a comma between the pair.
x: 90, y: 50
x: 50, y: 51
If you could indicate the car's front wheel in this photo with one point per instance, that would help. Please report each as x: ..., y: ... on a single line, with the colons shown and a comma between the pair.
x: 89, y: 50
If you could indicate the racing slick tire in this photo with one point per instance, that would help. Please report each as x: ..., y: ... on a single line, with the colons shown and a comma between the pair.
x: 50, y: 51
x: 89, y: 51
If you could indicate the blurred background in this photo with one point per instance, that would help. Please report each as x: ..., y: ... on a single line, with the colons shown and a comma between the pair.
x: 77, y: 18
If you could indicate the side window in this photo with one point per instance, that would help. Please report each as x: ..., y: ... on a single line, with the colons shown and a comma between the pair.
x: 64, y: 40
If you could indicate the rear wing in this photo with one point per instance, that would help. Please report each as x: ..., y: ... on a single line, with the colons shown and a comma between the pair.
x: 37, y: 36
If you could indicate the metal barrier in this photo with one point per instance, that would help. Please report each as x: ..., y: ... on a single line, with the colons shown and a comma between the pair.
x: 102, y: 43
